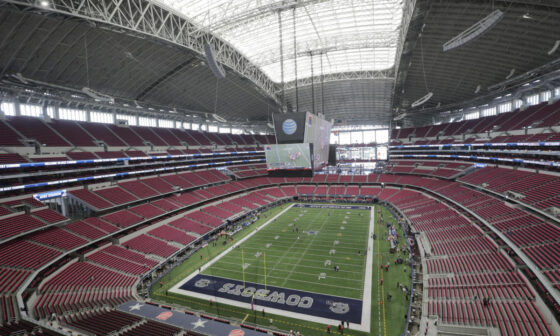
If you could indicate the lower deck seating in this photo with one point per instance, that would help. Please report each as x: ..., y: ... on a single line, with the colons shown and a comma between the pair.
x: 122, y: 218
x: 189, y: 225
x: 102, y: 323
x: 169, y: 233
x: 150, y: 245
x: 23, y: 327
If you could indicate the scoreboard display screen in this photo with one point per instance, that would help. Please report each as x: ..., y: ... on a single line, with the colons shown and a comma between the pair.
x: 288, y: 157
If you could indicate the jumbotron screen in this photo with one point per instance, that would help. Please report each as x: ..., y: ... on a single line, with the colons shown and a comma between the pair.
x: 288, y: 157
x: 318, y: 133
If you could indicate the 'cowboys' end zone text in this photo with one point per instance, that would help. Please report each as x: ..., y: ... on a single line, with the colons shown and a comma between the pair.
x: 327, y: 306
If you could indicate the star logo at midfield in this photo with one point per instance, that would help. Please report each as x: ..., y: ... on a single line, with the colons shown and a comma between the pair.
x: 137, y: 306
x: 198, y: 323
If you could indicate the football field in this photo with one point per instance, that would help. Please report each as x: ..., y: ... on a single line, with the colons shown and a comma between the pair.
x: 308, y: 262
x: 301, y: 249
x: 211, y: 281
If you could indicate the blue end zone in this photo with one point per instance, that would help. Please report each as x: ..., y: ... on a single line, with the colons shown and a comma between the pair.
x: 320, y: 305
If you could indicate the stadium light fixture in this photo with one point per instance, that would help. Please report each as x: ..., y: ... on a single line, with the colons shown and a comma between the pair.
x: 510, y: 73
x: 44, y: 3
x: 554, y: 47
x: 399, y: 117
x: 97, y: 95
x: 218, y: 118
x: 422, y: 100
x: 474, y: 31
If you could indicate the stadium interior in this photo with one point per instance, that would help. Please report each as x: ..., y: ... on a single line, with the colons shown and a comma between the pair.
x: 369, y: 167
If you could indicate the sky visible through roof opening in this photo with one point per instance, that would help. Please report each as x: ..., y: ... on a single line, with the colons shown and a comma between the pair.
x: 343, y: 35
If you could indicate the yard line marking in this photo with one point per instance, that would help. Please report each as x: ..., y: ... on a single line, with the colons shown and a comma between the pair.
x: 245, y: 318
x: 339, y: 255
x: 291, y: 246
x: 325, y: 220
x: 306, y: 266
x: 312, y: 275
x: 239, y: 242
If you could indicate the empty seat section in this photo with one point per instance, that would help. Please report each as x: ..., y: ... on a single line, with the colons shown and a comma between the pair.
x: 102, y: 133
x: 122, y: 218
x: 70, y: 130
x: 147, y: 134
x: 110, y: 155
x: 127, y: 135
x: 117, y: 263
x: 158, y: 184
x: 48, y: 215
x: 35, y: 128
x: 185, y: 137
x: 204, y: 218
x: 100, y: 224
x: 25, y: 254
x: 85, y: 230
x: 138, y: 188
x: 8, y: 137
x: 147, y: 210
x: 149, y: 245
x: 165, y: 204
x: 190, y: 225
x: 116, y: 195
x: 82, y: 155
x: 123, y: 253
x: 17, y: 224
x: 177, y: 180
x: 104, y: 322
x: 58, y: 238
x: 6, y: 158
x: 90, y: 198
x: 216, y: 211
x: 171, y: 234
x: 167, y: 136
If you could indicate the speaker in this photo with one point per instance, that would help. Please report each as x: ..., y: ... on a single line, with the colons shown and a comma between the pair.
x: 211, y: 60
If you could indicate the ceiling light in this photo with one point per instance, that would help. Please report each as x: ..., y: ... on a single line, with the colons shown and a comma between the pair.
x: 44, y: 3
x: 475, y: 30
x: 399, y: 117
x: 512, y: 71
x: 422, y: 100
x: 554, y: 47
x: 527, y: 16
x: 477, y: 90
x: 218, y: 118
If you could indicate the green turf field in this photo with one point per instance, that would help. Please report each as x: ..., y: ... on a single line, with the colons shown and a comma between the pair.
x: 387, y: 318
x: 298, y: 247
